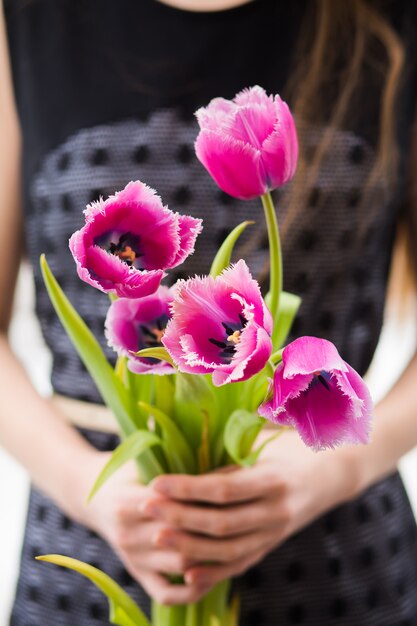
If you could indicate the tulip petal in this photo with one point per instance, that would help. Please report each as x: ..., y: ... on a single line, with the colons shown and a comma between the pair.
x: 215, y: 114
x: 236, y: 167
x: 283, y: 390
x: 353, y: 385
x: 252, y: 353
x: 280, y: 148
x: 239, y: 278
x: 326, y: 419
x: 251, y: 125
x: 255, y: 95
x: 307, y: 355
x: 189, y: 229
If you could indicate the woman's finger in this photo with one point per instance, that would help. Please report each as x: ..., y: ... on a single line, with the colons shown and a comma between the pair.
x: 126, y: 506
x: 164, y: 592
x: 241, y: 485
x: 213, y: 574
x: 140, y: 536
x: 200, y: 548
x: 215, y: 521
x: 161, y: 561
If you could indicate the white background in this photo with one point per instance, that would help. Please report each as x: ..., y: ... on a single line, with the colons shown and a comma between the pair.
x: 396, y: 346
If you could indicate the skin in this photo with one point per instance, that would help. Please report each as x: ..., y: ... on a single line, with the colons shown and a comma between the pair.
x: 204, y: 5
x: 168, y: 527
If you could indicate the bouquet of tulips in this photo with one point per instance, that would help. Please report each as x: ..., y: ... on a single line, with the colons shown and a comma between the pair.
x: 203, y: 365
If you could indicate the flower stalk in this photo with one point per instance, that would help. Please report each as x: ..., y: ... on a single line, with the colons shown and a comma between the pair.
x: 275, y: 255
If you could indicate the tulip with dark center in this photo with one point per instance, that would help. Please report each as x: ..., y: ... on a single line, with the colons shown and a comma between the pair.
x: 220, y: 326
x: 135, y: 324
x: 320, y: 395
x: 129, y: 240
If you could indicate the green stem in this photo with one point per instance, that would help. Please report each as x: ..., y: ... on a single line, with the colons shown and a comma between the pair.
x: 192, y: 615
x: 149, y: 467
x: 212, y: 609
x: 275, y: 256
x: 214, y: 604
x: 163, y: 615
x: 276, y: 357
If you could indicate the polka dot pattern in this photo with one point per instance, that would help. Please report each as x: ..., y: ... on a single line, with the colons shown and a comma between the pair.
x: 316, y: 578
x: 321, y: 581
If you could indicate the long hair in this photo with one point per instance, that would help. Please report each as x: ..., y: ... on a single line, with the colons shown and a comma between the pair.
x: 342, y: 46
x: 345, y: 43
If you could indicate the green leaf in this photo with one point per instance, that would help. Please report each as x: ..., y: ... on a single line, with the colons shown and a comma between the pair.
x: 203, y: 453
x: 253, y: 456
x: 123, y: 610
x: 90, y: 352
x: 195, y: 401
x: 241, y: 430
x: 223, y: 256
x: 177, y: 450
x: 129, y: 449
x: 155, y: 353
x: 234, y: 612
x: 289, y: 304
x: 164, y: 393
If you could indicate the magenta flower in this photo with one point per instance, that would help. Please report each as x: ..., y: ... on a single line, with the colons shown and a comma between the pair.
x: 132, y: 325
x: 320, y: 395
x: 249, y: 144
x: 220, y: 325
x: 129, y: 240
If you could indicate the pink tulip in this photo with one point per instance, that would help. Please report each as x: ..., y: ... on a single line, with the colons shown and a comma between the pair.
x: 320, y: 395
x: 220, y: 325
x: 132, y: 325
x: 249, y: 144
x: 129, y: 240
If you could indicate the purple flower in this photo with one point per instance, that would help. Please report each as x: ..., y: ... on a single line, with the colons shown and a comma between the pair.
x: 320, y: 395
x: 132, y: 325
x: 129, y: 240
x: 249, y: 144
x: 220, y: 325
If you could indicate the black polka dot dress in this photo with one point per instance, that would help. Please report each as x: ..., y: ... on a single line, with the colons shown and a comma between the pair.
x: 100, y: 106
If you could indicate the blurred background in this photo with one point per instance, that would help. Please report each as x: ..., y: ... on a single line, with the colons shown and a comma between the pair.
x: 396, y: 347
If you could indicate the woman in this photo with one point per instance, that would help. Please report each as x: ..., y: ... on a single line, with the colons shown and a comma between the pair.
x: 105, y: 93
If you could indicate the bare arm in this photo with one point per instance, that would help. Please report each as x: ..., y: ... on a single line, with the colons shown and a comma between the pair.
x: 28, y: 426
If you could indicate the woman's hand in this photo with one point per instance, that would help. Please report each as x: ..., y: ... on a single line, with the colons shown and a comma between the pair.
x: 116, y: 514
x: 228, y: 521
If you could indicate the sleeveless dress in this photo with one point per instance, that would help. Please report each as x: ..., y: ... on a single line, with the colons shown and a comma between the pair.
x: 106, y: 92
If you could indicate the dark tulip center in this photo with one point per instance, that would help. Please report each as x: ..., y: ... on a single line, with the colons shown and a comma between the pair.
x: 125, y: 246
x: 150, y: 335
x: 320, y: 378
x: 231, y: 339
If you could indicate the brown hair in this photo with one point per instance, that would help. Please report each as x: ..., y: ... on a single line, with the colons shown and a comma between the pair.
x: 345, y: 42
x: 341, y: 44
